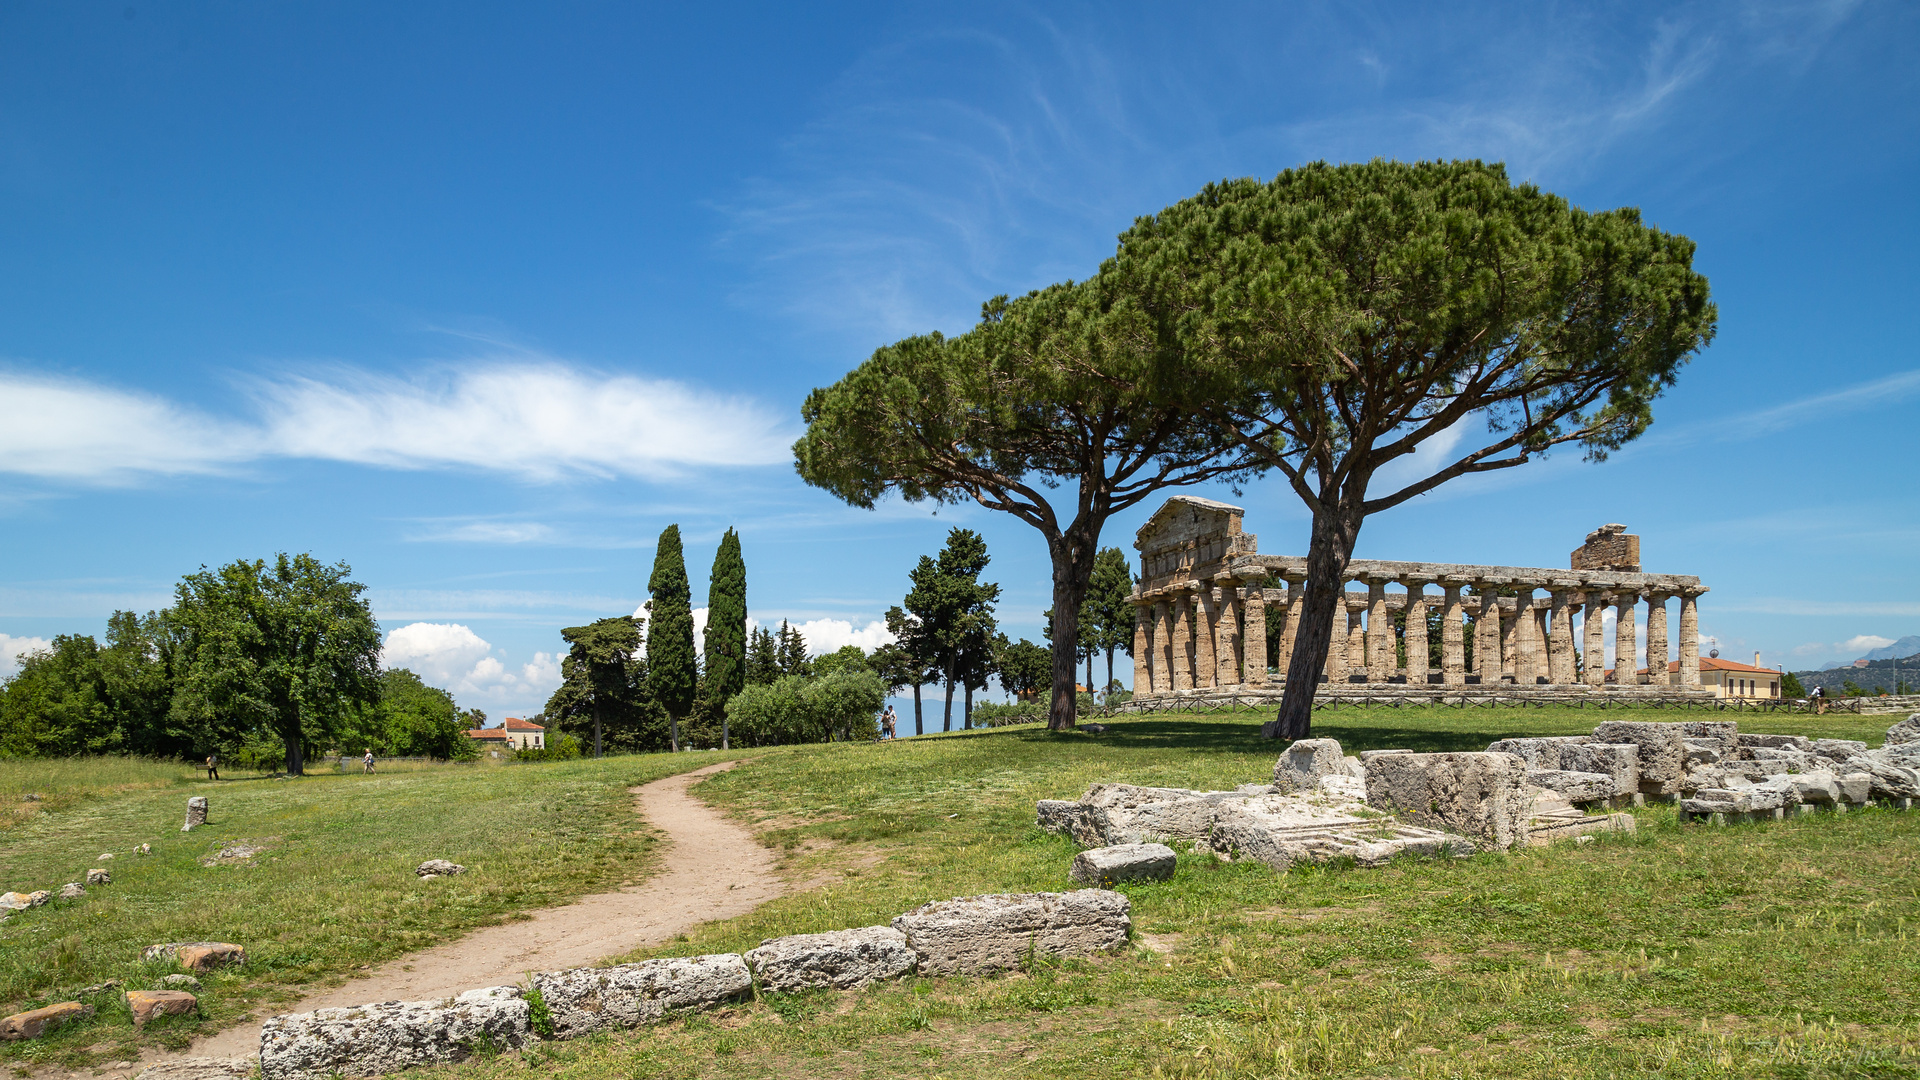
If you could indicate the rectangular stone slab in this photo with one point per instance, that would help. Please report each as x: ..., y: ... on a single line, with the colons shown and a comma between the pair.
x: 372, y: 1040
x: 840, y: 959
x: 1663, y: 756
x: 585, y: 1000
x: 1123, y: 862
x: 978, y: 935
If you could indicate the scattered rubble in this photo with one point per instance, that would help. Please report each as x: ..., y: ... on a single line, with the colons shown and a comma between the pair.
x: 201, y: 1069
x: 434, y: 868
x: 238, y: 852
x: 99, y: 877
x: 181, y: 982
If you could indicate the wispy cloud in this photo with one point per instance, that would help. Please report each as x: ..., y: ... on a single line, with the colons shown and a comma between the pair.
x: 537, y: 419
x: 12, y: 649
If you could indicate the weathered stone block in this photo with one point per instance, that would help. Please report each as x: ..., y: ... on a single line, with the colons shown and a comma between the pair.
x: 197, y: 955
x: 200, y: 1068
x: 840, y: 960
x: 72, y: 890
x: 196, y: 813
x: 1717, y: 801
x: 1306, y: 761
x: 1123, y: 862
x: 1369, y: 755
x: 1725, y: 733
x: 975, y: 935
x: 1906, y: 731
x: 147, y: 1004
x: 372, y: 1040
x: 19, y: 901
x: 1888, y: 781
x: 438, y: 868
x: 37, y: 1022
x: 1663, y: 757
x: 1620, y: 761
x: 99, y: 877
x: 1855, y: 787
x: 1702, y: 752
x: 1068, y: 819
x: 1539, y: 754
x: 1127, y: 814
x: 1483, y: 797
x: 1777, y: 742
x: 1838, y: 749
x: 585, y: 1000
x: 1819, y: 786
x: 1575, y: 787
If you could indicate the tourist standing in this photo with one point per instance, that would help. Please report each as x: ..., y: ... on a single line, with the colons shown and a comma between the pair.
x: 213, y: 766
x: 369, y: 759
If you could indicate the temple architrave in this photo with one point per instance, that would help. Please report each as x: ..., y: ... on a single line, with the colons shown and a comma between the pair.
x: 1200, y: 617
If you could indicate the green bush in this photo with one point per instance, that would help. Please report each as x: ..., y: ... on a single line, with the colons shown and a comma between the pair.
x: 796, y: 709
x: 562, y: 747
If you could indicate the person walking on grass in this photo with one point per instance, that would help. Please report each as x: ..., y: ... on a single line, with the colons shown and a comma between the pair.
x: 369, y: 759
x: 887, y: 723
x: 213, y: 766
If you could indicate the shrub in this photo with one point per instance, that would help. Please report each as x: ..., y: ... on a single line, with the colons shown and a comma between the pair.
x: 562, y: 747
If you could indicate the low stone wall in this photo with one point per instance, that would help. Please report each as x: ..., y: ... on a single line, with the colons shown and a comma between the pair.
x: 971, y: 935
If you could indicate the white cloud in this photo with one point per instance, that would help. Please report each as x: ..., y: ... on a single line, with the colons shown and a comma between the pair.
x: 453, y: 657
x: 1863, y: 643
x: 536, y: 418
x: 830, y: 635
x: 486, y: 532
x: 13, y: 648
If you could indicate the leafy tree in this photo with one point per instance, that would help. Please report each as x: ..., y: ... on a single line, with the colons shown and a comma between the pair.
x: 412, y: 719
x: 763, y: 657
x: 288, y: 647
x: 1340, y: 318
x: 633, y: 721
x: 1025, y: 669
x: 1047, y: 391
x: 845, y: 658
x: 797, y: 709
x: 57, y: 705
x: 672, y: 672
x: 959, y: 622
x: 895, y: 666
x: 599, y: 653
x: 911, y: 626
x: 1109, y: 607
x: 1790, y: 686
x: 726, y: 638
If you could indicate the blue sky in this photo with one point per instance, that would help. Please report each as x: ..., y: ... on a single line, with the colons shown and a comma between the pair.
x: 479, y: 298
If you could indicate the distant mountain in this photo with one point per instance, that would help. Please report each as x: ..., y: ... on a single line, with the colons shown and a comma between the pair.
x: 1901, y: 677
x: 1906, y: 646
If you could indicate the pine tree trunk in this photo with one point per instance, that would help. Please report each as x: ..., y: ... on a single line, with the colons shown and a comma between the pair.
x: 673, y: 733
x: 596, y: 725
x: 966, y: 715
x: 723, y: 733
x: 919, y: 728
x: 1089, y: 671
x: 1109, y: 687
x: 1072, y: 566
x: 1328, y: 553
x: 946, y: 721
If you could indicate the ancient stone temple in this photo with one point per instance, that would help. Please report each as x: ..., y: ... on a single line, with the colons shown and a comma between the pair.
x: 1200, y: 623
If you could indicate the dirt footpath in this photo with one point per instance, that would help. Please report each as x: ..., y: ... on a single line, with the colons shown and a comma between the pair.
x: 713, y: 869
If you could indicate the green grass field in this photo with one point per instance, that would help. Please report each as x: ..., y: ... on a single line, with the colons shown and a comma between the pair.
x: 1777, y: 949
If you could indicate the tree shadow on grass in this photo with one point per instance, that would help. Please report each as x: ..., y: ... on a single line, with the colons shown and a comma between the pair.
x: 1241, y: 735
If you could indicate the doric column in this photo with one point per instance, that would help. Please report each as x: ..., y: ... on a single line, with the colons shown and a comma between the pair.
x: 1380, y: 650
x: 1142, y: 679
x: 1541, y: 665
x: 1296, y: 596
x: 1418, y: 662
x: 1183, y: 638
x: 1335, y: 669
x: 1657, y: 638
x: 1253, y: 634
x: 1453, y: 653
x: 1206, y: 634
x: 1226, y: 644
x: 1690, y: 637
x: 1486, y: 636
x: 1163, y: 644
x: 1593, y: 624
x: 1526, y: 637
x: 1626, y: 639
x: 1356, y: 638
x: 1560, y: 635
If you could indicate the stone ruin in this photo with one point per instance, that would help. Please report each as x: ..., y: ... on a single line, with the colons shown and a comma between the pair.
x: 1324, y: 805
x: 1204, y: 591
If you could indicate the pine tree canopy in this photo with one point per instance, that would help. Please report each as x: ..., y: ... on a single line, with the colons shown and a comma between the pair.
x: 672, y: 671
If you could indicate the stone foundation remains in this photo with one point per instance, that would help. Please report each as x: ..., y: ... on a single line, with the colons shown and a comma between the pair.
x: 1204, y: 592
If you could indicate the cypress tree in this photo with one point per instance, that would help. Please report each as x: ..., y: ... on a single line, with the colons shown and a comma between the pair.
x: 672, y: 675
x: 763, y: 657
x: 726, y: 643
